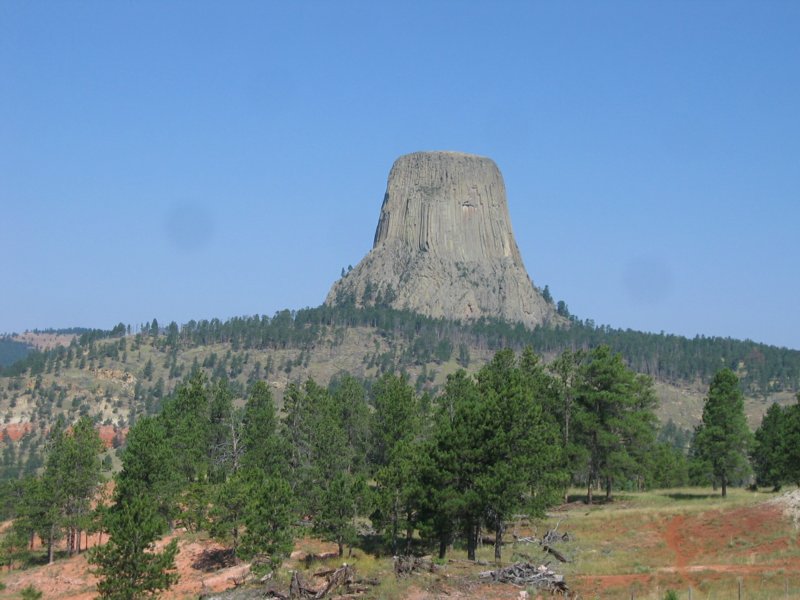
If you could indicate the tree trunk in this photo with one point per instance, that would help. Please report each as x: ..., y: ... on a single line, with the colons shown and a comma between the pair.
x: 341, y: 549
x: 472, y: 539
x: 442, y: 546
x: 498, y: 540
x: 51, y: 546
x: 724, y: 486
x: 589, y: 493
x: 394, y: 534
x: 608, y: 489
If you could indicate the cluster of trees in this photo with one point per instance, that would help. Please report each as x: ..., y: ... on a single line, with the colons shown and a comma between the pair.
x: 776, y: 451
x: 669, y: 357
x: 56, y: 504
x: 424, y: 470
x: 12, y: 350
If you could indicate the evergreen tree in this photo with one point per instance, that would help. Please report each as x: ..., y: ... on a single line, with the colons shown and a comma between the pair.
x: 72, y: 475
x: 724, y: 438
x: 791, y: 443
x: 768, y: 448
x: 523, y: 455
x: 615, y: 422
x: 262, y: 445
x: 565, y: 373
x: 149, y: 469
x: 350, y: 399
x: 343, y: 499
x: 395, y: 417
x: 187, y: 424
x: 79, y: 456
x: 668, y: 467
x: 128, y: 566
x: 399, y: 492
x: 268, y: 518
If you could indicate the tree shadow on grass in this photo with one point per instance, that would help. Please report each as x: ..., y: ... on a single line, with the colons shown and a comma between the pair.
x: 688, y: 496
x: 377, y: 545
x: 597, y: 500
x: 215, y: 559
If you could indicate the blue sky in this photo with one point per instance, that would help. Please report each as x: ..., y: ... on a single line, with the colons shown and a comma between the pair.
x: 194, y: 160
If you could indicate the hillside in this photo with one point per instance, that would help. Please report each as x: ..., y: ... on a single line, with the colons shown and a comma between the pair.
x: 114, y: 376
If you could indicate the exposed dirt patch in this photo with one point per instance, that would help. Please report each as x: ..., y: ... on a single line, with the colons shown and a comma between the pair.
x: 15, y: 431
x: 45, y: 341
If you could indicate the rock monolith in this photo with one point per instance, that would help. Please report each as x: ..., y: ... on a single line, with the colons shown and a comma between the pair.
x: 444, y: 246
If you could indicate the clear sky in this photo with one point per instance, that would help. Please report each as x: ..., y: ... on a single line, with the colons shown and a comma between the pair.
x: 188, y: 160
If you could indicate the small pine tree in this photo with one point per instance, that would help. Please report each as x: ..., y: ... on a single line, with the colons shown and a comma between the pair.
x: 127, y: 566
x: 724, y: 437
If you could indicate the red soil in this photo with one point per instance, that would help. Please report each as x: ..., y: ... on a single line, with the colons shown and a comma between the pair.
x: 15, y: 431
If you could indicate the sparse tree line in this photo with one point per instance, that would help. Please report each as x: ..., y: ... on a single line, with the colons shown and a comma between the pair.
x: 345, y: 461
x: 764, y: 369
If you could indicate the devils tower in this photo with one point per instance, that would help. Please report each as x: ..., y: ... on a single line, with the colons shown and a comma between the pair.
x: 444, y: 246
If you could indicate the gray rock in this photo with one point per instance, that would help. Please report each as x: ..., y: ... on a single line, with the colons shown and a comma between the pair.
x: 444, y: 246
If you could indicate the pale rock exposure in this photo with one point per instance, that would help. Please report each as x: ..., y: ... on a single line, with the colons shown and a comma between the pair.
x: 444, y: 245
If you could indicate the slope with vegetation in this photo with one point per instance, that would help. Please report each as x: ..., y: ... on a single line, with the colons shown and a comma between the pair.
x: 381, y: 468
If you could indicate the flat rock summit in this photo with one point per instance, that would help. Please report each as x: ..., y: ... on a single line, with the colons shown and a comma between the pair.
x: 444, y: 246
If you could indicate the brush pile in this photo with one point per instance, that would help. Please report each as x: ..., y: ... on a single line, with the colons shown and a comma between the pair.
x: 341, y: 581
x: 529, y: 575
x: 406, y: 565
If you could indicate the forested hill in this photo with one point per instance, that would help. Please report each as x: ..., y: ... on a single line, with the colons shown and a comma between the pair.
x: 12, y: 350
x: 762, y: 369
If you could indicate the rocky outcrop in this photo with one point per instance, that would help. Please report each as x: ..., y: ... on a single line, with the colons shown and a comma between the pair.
x: 444, y: 246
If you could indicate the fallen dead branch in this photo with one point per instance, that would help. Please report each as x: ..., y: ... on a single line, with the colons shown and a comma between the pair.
x: 406, y: 565
x: 554, y: 552
x: 550, y: 537
x: 527, y: 574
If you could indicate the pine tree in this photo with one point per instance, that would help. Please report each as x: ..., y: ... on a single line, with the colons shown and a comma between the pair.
x: 262, y: 445
x: 791, y: 443
x: 724, y: 437
x: 768, y: 448
x: 615, y: 422
x: 149, y: 469
x: 128, y: 567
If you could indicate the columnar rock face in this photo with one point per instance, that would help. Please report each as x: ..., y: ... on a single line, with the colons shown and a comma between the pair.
x: 444, y: 245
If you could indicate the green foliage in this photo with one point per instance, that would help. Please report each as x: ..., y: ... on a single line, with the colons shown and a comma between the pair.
x: 399, y: 492
x: 254, y: 512
x: 60, y: 501
x: 14, y: 545
x: 343, y: 499
x: 396, y: 416
x: 791, y: 443
x: 768, y: 453
x: 668, y: 467
x: 128, y: 567
x: 268, y: 534
x: 186, y: 418
x: 723, y: 439
x: 12, y: 350
x: 149, y: 468
x: 350, y: 402
x: 261, y: 445
x: 30, y: 592
x: 614, y: 421
x: 494, y: 451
